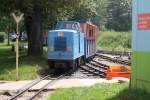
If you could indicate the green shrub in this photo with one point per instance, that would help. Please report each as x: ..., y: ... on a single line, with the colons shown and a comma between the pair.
x: 111, y: 40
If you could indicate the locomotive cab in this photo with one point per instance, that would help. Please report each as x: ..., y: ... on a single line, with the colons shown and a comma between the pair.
x: 65, y: 44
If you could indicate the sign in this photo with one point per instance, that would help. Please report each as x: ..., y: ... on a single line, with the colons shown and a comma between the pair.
x: 17, y: 18
x: 144, y: 21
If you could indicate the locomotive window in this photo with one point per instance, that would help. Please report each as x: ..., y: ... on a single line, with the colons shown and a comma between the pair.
x: 60, y: 44
x: 67, y: 25
x: 71, y: 26
x: 91, y: 33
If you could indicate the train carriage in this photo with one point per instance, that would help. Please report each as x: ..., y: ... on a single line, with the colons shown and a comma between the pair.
x: 90, y: 31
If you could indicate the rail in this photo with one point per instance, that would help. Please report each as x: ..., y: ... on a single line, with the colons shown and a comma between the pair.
x: 50, y: 83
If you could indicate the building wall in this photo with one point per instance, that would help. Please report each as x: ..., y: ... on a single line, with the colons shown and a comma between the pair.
x: 140, y: 77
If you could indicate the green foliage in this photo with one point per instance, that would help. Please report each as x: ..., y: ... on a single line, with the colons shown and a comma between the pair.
x: 119, y: 15
x: 108, y: 14
x: 110, y: 40
x: 86, y: 11
x: 104, y: 13
x: 101, y: 18
x: 99, y: 92
x: 1, y: 38
x: 7, y: 24
x: 52, y: 11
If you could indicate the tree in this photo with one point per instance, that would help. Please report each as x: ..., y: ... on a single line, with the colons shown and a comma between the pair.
x: 7, y: 25
x: 34, y: 13
x: 86, y: 11
x: 101, y: 18
x: 119, y: 14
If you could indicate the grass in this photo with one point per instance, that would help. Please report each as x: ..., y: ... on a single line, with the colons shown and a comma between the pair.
x: 2, y: 33
x: 99, y: 92
x: 28, y: 66
x: 110, y: 40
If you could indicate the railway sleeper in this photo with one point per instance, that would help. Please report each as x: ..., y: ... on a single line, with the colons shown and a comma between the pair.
x: 100, y: 63
x: 99, y: 66
x: 99, y: 70
x: 97, y: 74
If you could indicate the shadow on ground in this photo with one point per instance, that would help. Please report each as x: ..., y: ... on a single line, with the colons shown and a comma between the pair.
x: 128, y: 94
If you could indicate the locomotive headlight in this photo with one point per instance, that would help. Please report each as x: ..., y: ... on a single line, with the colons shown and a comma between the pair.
x: 69, y: 49
x: 59, y: 34
x: 51, y: 48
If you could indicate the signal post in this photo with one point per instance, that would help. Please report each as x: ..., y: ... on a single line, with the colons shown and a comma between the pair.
x: 17, y: 20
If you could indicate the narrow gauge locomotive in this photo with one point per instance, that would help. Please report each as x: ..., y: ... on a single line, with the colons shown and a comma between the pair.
x: 71, y: 44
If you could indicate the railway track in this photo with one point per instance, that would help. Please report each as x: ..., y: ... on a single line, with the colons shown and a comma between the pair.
x: 121, y: 53
x: 114, y: 59
x: 95, y: 68
x: 33, y: 83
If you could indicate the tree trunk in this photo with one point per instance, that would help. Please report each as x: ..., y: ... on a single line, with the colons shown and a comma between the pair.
x: 34, y: 32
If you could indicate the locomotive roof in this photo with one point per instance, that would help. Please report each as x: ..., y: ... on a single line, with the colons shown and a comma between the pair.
x: 87, y: 22
x: 63, y: 30
x: 84, y: 22
x: 69, y: 21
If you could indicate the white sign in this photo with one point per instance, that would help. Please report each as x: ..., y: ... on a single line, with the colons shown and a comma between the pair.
x: 17, y: 18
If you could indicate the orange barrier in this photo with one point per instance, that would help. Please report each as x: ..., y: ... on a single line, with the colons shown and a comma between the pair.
x: 118, y: 71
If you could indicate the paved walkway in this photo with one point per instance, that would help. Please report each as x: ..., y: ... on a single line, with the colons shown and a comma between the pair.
x: 63, y: 83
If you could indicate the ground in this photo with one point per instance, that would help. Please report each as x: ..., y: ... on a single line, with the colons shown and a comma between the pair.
x: 116, y: 91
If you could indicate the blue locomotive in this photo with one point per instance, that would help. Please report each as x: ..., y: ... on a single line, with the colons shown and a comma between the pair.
x: 67, y: 45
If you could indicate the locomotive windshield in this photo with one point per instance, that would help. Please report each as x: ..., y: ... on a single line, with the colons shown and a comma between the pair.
x: 68, y: 25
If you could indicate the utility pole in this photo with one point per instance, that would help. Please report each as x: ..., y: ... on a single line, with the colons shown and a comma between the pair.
x: 17, y: 20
